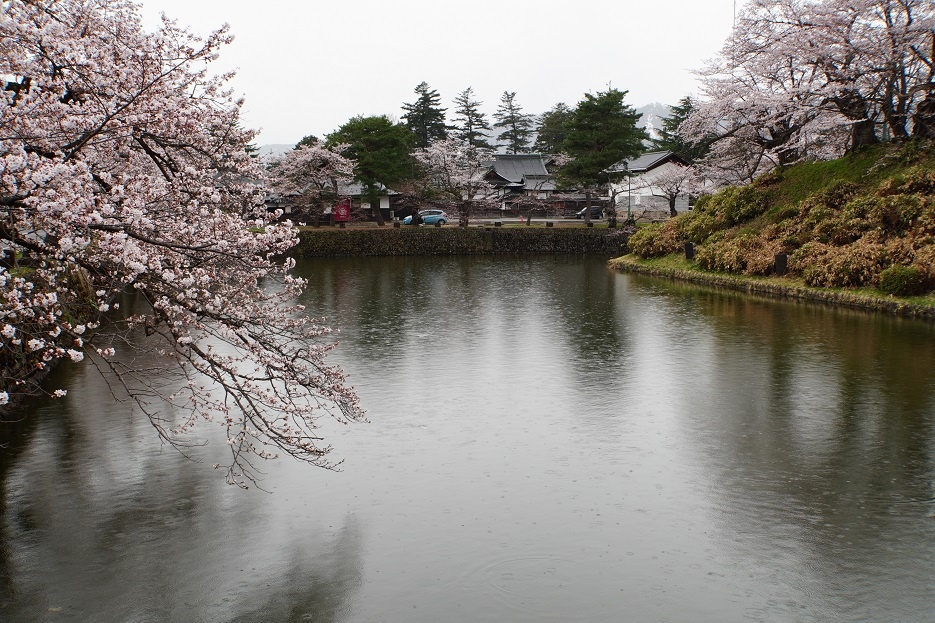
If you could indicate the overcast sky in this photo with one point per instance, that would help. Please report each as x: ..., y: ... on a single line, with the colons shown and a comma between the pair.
x: 306, y: 67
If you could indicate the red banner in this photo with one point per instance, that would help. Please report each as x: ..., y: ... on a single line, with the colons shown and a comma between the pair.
x: 342, y: 210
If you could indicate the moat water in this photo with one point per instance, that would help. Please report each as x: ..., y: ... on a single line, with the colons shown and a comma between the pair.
x: 549, y: 441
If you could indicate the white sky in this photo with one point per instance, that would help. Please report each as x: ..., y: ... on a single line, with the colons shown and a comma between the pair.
x: 306, y: 67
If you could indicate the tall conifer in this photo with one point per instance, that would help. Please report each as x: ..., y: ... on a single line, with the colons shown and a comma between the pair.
x: 425, y: 117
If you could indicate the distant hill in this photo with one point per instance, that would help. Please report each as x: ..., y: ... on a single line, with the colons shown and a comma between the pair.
x: 653, y: 114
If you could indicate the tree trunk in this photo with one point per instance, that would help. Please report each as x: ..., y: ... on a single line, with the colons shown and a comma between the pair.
x: 923, y: 121
x: 788, y: 155
x: 587, y: 206
x: 377, y: 213
x: 374, y: 200
x: 863, y: 134
x: 855, y: 107
x: 672, y: 210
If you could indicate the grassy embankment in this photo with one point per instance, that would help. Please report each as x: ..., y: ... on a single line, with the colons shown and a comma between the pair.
x: 858, y: 231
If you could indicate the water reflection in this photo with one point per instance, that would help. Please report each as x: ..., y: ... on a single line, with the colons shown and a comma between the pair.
x: 100, y: 523
x: 824, y: 457
x: 550, y: 441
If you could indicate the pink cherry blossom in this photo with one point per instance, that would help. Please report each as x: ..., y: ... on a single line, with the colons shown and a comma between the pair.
x: 312, y: 174
x: 124, y: 167
x: 456, y: 171
x: 815, y: 78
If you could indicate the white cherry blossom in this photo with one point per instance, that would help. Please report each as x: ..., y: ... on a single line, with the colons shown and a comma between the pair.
x: 124, y: 167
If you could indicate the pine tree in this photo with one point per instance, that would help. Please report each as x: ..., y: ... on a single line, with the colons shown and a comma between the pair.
x: 601, y: 132
x: 550, y: 135
x: 307, y: 141
x: 425, y: 117
x: 516, y: 125
x: 381, y: 151
x: 669, y: 137
x: 470, y: 121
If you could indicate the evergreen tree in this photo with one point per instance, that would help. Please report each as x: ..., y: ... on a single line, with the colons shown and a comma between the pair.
x: 601, y: 132
x: 669, y: 137
x: 307, y: 141
x: 381, y: 151
x: 550, y: 135
x: 425, y: 117
x: 470, y: 121
x: 516, y: 125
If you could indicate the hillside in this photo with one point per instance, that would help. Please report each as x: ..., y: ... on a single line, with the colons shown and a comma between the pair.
x: 863, y: 222
x: 651, y: 117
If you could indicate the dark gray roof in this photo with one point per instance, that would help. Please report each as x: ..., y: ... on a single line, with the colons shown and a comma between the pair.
x: 540, y: 183
x: 515, y: 167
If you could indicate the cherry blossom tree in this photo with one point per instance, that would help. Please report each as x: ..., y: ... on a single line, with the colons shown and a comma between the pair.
x: 124, y: 168
x: 313, y: 173
x: 804, y: 79
x: 456, y: 170
x: 671, y: 182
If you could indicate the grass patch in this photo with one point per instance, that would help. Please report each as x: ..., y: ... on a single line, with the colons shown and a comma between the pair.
x: 675, y: 266
x: 863, y: 221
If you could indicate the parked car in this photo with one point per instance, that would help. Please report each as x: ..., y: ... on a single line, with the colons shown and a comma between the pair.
x: 596, y: 212
x: 429, y: 217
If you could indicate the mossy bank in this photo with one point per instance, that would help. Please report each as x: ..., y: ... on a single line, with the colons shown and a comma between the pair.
x: 858, y: 231
x: 779, y: 287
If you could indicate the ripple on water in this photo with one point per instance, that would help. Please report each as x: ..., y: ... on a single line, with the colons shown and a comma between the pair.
x: 515, y: 583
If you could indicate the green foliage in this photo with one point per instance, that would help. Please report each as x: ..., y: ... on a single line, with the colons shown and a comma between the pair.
x: 381, y: 149
x: 307, y: 141
x: 656, y: 240
x: 470, y: 121
x: 516, y: 125
x: 902, y: 280
x: 872, y: 225
x: 734, y: 205
x: 425, y: 117
x: 786, y: 234
x: 832, y: 197
x: 838, y: 228
x: 550, y: 135
x: 698, y: 226
x: 669, y: 137
x: 600, y: 133
x: 804, y: 180
x: 781, y: 213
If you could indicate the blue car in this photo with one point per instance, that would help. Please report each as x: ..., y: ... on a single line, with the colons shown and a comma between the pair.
x: 429, y: 217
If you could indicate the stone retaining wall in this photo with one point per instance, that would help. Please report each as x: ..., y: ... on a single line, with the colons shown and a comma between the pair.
x: 390, y: 241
